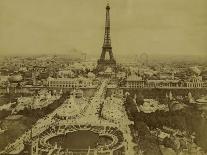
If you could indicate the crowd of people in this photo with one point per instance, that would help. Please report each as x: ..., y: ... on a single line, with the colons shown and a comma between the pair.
x: 113, y: 110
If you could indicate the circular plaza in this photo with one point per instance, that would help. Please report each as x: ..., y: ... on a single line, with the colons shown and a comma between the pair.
x: 81, y: 139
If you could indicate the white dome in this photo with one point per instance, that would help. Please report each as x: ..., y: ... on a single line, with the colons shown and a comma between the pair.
x: 91, y: 75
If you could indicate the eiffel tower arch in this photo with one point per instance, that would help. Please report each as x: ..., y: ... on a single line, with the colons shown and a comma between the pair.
x: 103, y: 63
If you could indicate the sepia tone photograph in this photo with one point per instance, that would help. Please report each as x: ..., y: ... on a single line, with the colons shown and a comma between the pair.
x: 103, y: 77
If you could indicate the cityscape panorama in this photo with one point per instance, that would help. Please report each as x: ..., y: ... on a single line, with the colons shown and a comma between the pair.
x: 106, y: 102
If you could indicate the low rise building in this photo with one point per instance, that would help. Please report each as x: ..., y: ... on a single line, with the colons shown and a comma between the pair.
x: 134, y: 81
x: 69, y: 82
x: 194, y: 82
x: 162, y: 83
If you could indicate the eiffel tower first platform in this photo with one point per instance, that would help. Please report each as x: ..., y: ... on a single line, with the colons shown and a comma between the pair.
x: 104, y: 63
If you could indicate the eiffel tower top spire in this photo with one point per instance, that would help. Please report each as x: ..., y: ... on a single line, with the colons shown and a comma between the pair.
x: 107, y: 38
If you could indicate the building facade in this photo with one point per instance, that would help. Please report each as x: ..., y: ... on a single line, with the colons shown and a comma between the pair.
x: 70, y: 82
x: 135, y: 81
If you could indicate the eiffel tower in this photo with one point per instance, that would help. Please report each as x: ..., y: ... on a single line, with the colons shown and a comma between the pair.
x: 103, y: 63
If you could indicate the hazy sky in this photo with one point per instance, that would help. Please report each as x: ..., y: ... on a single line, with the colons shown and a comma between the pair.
x: 152, y: 26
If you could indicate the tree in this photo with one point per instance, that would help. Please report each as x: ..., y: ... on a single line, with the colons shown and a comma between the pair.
x: 140, y: 99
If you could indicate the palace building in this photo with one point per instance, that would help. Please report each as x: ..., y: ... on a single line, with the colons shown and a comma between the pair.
x: 69, y: 82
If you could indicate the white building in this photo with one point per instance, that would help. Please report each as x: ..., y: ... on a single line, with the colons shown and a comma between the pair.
x: 195, y: 82
x: 134, y: 81
x: 69, y: 82
x: 162, y: 83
